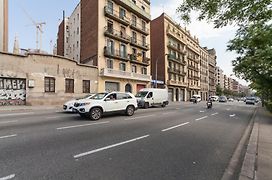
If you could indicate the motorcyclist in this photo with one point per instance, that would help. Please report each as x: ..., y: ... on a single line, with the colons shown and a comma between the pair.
x: 209, y: 101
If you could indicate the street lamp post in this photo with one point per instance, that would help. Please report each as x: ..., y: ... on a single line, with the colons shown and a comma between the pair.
x: 156, y: 74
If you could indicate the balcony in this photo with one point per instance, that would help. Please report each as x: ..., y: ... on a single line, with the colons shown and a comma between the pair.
x: 194, y: 87
x: 115, y: 15
x: 130, y: 6
x: 175, y: 35
x: 124, y: 75
x: 176, y: 83
x: 115, y: 54
x: 176, y: 71
x: 118, y: 35
x: 140, y: 28
x: 139, y: 60
x: 176, y: 48
x: 175, y: 59
x: 140, y: 44
x: 193, y: 67
x: 195, y: 59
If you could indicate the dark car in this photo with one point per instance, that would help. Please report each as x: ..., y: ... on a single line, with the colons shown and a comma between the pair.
x: 222, y: 99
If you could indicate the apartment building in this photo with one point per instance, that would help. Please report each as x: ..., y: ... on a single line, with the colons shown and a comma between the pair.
x: 115, y: 37
x: 4, y: 25
x: 68, y: 42
x: 204, y: 73
x: 175, y: 58
x: 219, y: 77
x: 235, y: 86
x: 212, y: 72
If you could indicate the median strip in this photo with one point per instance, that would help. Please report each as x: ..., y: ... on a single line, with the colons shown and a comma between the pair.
x: 8, y: 177
x: 8, y: 136
x: 201, y: 118
x: 109, y: 147
x: 183, y: 124
x: 81, y: 125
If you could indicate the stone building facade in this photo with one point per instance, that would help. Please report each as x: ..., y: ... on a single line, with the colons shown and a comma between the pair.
x: 39, y: 79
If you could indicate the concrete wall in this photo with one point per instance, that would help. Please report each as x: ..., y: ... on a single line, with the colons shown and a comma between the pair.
x: 34, y: 67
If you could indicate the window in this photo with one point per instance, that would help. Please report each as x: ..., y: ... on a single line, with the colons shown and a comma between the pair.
x: 134, y: 37
x: 134, y: 51
x: 69, y: 86
x: 143, y: 8
x: 134, y: 1
x: 123, y: 51
x: 109, y: 63
x: 77, y: 30
x: 123, y: 32
x: 122, y: 13
x: 86, y: 86
x: 144, y: 70
x: 110, y: 27
x: 49, y: 84
x: 134, y: 20
x: 122, y: 66
x: 143, y: 41
x: 110, y: 7
x: 143, y: 26
x: 121, y: 96
x: 134, y: 68
x: 110, y: 47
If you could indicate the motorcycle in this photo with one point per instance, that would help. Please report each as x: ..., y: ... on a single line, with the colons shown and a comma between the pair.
x: 209, y: 105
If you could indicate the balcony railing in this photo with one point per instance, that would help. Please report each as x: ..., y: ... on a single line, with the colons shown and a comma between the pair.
x: 176, y: 48
x: 173, y: 34
x: 176, y: 71
x: 194, y: 58
x: 139, y: 43
x: 195, y: 68
x: 115, y: 53
x: 176, y: 83
x: 113, y: 14
x: 129, y: 5
x: 139, y: 60
x: 176, y: 59
x: 124, y: 75
x: 140, y: 28
x: 119, y: 35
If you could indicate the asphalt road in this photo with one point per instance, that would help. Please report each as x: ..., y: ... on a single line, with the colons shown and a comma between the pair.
x: 181, y: 141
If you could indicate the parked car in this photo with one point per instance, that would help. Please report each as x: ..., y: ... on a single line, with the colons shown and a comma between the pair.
x: 195, y: 97
x: 69, y: 105
x: 231, y: 100
x: 148, y: 97
x: 251, y: 100
x: 102, y: 103
x: 214, y: 98
x: 222, y: 99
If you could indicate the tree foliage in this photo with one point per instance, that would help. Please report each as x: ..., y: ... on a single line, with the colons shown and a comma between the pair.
x: 253, y: 40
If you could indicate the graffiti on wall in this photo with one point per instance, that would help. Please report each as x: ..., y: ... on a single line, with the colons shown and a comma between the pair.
x: 12, y: 91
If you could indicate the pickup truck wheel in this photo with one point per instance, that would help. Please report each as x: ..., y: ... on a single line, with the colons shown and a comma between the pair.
x: 130, y: 110
x: 146, y: 105
x: 95, y: 114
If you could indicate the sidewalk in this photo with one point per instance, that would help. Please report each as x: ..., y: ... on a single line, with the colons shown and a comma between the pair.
x: 257, y: 163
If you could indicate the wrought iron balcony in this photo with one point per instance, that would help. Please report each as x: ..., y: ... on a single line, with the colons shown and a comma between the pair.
x: 115, y: 53
x: 176, y: 48
x: 113, y: 14
x: 139, y: 60
x: 118, y: 35
x: 140, y: 28
x: 139, y: 43
x: 176, y: 59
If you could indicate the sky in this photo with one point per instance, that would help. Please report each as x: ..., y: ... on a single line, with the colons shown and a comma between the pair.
x: 50, y: 11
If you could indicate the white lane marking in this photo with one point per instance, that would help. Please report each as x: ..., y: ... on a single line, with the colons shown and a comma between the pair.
x: 183, y: 124
x: 228, y: 109
x: 6, y: 122
x: 214, y: 114
x: 232, y: 115
x: 8, y: 136
x: 81, y: 125
x: 201, y: 118
x: 16, y: 114
x: 139, y: 117
x: 8, y: 177
x: 167, y: 113
x: 110, y: 146
x: 177, y: 108
x: 202, y: 111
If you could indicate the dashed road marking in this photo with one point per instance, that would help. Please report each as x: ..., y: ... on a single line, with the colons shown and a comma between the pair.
x: 214, y: 114
x: 232, y: 115
x: 81, y: 125
x: 201, y: 118
x: 6, y: 122
x: 109, y: 147
x: 202, y: 111
x: 16, y: 114
x: 173, y: 127
x: 8, y: 136
x: 8, y: 177
x: 139, y: 117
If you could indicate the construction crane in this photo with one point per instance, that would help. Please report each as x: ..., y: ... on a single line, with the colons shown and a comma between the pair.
x: 39, y: 30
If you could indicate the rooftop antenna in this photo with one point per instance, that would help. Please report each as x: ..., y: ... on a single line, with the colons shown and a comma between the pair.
x: 39, y: 30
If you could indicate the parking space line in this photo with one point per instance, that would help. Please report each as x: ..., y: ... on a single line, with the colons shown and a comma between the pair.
x: 173, y: 127
x: 139, y: 117
x: 8, y: 177
x: 201, y: 118
x: 8, y: 136
x: 6, y: 122
x: 81, y: 125
x: 109, y: 147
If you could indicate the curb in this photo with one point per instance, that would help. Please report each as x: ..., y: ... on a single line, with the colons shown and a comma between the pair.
x: 231, y: 171
x: 248, y: 171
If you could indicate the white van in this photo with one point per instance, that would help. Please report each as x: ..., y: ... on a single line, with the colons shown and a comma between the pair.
x: 148, y: 97
x: 197, y: 97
